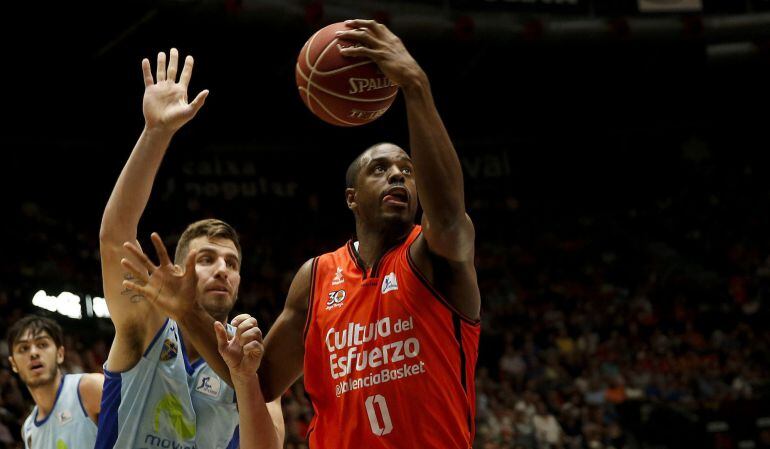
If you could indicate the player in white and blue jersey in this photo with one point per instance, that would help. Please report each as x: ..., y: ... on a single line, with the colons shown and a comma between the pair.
x: 150, y: 397
x: 214, y: 402
x: 66, y: 405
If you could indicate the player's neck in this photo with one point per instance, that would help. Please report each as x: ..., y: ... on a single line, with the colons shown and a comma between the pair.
x: 192, y: 354
x: 45, y: 395
x: 373, y: 243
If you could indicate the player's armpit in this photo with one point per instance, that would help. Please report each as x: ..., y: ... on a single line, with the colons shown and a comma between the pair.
x: 282, y: 363
x: 450, y: 270
x: 134, y: 318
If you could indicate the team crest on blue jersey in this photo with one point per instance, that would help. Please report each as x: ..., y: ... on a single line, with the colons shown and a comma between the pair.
x: 335, y: 299
x: 169, y: 350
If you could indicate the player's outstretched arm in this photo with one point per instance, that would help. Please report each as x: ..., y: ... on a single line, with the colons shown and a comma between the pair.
x: 166, y: 109
x: 448, y: 230
x: 261, y: 423
x: 282, y: 363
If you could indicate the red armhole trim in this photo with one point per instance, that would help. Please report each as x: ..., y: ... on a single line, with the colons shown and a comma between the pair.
x: 310, y: 299
x: 432, y: 289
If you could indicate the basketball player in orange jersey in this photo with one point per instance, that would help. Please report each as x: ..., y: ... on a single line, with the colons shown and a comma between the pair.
x: 386, y: 328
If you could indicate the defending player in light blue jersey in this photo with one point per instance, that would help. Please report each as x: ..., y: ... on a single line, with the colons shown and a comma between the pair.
x: 66, y: 405
x: 150, y: 396
x: 214, y: 402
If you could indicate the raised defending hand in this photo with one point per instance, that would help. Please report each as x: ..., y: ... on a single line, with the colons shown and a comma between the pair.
x: 384, y: 48
x: 243, y: 350
x: 169, y: 287
x: 165, y: 103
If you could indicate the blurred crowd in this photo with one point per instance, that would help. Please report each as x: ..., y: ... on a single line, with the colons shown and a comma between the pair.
x: 602, y: 328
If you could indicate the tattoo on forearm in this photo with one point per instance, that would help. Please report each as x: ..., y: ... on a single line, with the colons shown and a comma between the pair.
x: 133, y: 296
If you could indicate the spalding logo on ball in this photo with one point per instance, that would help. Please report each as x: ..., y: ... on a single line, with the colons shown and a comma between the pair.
x: 341, y: 90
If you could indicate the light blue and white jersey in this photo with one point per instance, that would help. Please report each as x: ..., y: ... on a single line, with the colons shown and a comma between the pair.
x: 149, y: 406
x: 67, y: 426
x: 215, y: 407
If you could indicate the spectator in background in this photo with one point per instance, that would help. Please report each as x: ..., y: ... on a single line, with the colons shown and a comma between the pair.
x: 548, y: 432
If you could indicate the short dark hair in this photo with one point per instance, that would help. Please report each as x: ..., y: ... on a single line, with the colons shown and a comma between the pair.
x: 211, y: 228
x: 351, y: 175
x: 36, y: 324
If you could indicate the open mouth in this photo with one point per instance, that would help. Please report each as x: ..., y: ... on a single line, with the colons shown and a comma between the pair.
x: 37, y: 368
x: 396, y: 195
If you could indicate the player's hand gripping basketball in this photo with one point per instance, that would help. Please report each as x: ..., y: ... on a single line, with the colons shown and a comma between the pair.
x: 242, y: 351
x: 165, y: 103
x: 170, y: 287
x: 384, y: 48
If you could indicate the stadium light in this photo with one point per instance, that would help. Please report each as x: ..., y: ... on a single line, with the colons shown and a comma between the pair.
x: 99, y: 307
x: 69, y: 304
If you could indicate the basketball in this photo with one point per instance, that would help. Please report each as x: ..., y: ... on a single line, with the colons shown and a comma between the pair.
x: 341, y: 90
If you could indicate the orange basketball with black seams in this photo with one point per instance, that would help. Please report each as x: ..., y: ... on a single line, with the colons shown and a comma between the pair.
x: 341, y: 90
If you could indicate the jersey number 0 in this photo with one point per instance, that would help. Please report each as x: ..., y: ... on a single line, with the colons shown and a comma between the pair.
x: 387, y: 424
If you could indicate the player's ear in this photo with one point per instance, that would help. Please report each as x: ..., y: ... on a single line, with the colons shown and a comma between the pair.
x: 13, y: 364
x: 60, y: 355
x: 350, y: 198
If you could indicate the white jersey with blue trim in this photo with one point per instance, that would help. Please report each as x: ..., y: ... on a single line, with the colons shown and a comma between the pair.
x: 216, y: 408
x: 67, y: 426
x: 149, y: 406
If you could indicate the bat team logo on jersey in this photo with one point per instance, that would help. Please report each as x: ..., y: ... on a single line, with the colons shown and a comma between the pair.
x: 338, y: 279
x: 390, y: 283
x: 335, y: 299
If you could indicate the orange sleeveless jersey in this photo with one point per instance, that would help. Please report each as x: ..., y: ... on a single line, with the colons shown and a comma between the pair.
x: 388, y: 362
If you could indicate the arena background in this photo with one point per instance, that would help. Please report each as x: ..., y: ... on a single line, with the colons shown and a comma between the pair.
x: 614, y: 164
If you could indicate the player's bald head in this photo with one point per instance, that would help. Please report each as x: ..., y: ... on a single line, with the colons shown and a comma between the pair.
x: 351, y: 175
